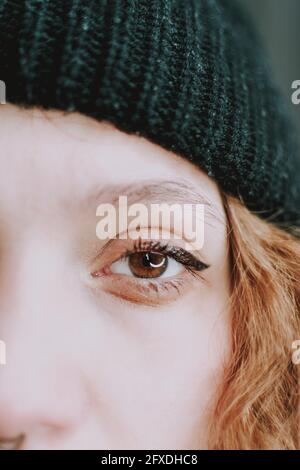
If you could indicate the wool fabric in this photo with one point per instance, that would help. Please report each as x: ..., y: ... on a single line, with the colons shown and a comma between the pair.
x: 189, y: 75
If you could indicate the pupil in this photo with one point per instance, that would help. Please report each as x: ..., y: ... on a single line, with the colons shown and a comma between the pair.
x: 153, y: 260
x: 148, y: 264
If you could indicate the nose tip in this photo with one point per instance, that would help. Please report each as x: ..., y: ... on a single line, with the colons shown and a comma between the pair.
x: 40, y: 421
x: 39, y: 404
x: 12, y: 443
x: 18, y: 420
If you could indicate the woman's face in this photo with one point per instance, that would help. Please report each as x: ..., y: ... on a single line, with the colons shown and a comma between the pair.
x: 109, y: 346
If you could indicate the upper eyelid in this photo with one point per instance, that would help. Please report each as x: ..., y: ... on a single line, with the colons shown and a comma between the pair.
x: 113, y: 240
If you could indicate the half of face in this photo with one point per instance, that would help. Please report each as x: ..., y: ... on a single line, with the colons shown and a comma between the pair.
x: 112, y: 342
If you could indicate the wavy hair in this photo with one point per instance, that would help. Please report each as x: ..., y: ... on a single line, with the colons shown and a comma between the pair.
x: 258, y: 405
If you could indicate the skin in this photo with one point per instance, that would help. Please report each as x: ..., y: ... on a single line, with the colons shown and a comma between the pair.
x: 99, y: 362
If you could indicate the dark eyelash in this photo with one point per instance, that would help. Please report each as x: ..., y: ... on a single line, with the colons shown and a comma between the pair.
x: 191, y: 262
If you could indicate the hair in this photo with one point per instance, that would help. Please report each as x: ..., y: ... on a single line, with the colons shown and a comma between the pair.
x: 258, y: 404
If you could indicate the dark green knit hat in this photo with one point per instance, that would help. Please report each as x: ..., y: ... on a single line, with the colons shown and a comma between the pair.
x: 186, y: 74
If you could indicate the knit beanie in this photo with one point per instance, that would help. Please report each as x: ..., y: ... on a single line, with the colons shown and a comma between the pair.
x: 189, y: 75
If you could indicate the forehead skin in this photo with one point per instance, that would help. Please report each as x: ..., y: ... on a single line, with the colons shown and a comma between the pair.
x: 51, y: 162
x: 72, y: 145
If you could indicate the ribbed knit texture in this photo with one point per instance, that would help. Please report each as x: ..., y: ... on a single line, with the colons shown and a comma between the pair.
x: 186, y: 74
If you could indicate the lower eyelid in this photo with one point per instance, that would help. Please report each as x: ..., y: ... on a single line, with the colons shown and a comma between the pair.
x: 154, y: 293
x: 122, y: 281
x: 147, y: 292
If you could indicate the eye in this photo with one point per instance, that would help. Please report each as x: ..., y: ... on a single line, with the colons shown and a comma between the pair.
x: 147, y: 272
x: 147, y: 265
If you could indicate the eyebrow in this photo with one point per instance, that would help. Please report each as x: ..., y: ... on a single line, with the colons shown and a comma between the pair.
x: 156, y: 192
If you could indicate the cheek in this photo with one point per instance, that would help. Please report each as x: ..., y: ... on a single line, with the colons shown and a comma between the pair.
x: 156, y: 372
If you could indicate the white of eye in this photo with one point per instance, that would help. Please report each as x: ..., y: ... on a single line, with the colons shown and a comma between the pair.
x: 122, y: 267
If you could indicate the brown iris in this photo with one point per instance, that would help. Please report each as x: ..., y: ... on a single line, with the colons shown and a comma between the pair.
x: 147, y: 264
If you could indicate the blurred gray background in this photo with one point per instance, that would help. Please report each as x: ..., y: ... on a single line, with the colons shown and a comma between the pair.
x: 278, y: 22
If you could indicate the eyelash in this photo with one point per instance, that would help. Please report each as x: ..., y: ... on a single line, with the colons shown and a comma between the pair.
x: 193, y: 265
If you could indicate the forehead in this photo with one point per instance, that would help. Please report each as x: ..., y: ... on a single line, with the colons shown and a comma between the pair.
x: 50, y: 157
